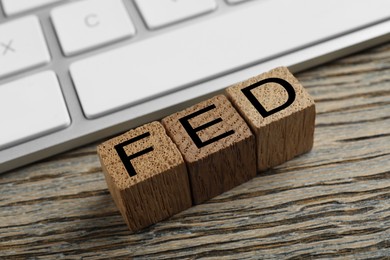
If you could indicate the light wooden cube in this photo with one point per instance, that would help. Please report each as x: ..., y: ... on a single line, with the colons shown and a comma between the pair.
x: 279, y: 111
x: 146, y: 175
x: 217, y: 145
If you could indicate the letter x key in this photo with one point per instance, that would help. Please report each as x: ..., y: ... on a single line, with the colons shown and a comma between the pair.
x: 7, y: 47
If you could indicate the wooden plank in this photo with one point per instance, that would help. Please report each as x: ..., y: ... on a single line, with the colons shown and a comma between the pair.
x: 333, y: 202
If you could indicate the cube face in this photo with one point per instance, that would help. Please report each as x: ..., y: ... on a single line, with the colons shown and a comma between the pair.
x: 279, y: 111
x: 146, y: 175
x: 217, y: 145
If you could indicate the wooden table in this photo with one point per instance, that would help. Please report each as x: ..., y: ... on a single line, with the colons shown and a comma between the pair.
x: 331, y: 202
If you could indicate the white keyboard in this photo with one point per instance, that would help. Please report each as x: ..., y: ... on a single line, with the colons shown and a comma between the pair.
x: 72, y: 72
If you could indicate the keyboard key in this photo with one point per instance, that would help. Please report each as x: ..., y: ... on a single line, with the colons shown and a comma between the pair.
x: 16, y: 6
x: 158, y: 13
x: 22, y: 45
x: 136, y: 72
x: 87, y: 24
x: 31, y: 107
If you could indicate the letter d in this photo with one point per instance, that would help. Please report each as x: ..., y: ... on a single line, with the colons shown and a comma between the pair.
x: 263, y: 112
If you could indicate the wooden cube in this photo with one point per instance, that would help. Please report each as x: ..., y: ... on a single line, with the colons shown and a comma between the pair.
x: 279, y: 111
x: 146, y: 175
x: 217, y: 145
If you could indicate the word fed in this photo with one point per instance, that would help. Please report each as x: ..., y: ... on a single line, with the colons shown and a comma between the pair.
x: 161, y: 168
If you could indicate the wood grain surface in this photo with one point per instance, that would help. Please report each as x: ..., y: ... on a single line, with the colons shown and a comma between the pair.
x: 333, y: 202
